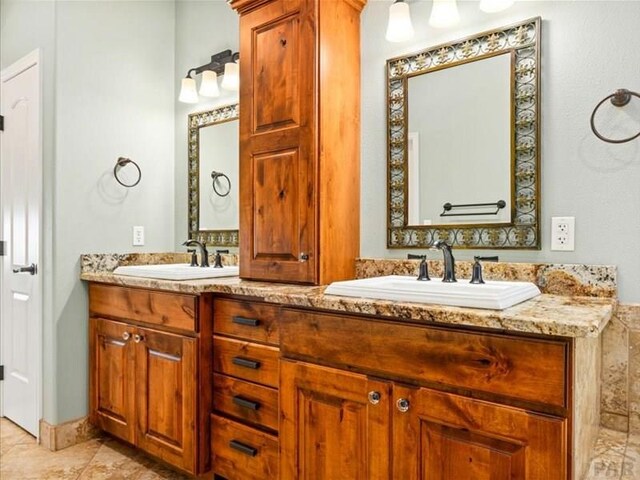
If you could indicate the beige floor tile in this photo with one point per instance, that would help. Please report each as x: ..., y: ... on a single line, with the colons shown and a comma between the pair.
x: 31, y: 462
x: 12, y: 435
x: 608, y: 458
x: 114, y: 461
x: 631, y: 463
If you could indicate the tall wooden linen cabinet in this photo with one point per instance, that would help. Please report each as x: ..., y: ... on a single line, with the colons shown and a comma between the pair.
x: 299, y: 139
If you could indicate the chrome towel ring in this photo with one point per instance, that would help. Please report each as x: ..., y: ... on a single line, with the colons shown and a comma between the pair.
x: 121, y: 162
x: 619, y: 98
x: 216, y: 176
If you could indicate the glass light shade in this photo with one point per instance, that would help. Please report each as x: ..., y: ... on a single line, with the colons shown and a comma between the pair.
x: 444, y: 13
x: 492, y: 6
x: 209, y: 84
x: 188, y: 93
x: 399, y: 28
x: 231, y: 79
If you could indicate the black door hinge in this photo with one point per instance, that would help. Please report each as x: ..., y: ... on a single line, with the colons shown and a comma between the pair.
x: 3, y: 248
x: 1, y: 372
x: 1, y: 123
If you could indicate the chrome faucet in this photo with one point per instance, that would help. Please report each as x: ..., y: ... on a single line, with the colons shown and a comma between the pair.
x: 204, y: 254
x: 449, y: 262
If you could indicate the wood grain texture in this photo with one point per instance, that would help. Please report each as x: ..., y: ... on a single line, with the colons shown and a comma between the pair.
x: 203, y: 373
x: 299, y: 139
x: 277, y: 142
x: 112, y: 378
x: 444, y: 436
x: 166, y: 395
x: 235, y: 465
x: 329, y: 429
x: 521, y: 368
x: 168, y: 310
x: 226, y: 389
x: 339, y: 139
x: 265, y: 315
x: 267, y: 358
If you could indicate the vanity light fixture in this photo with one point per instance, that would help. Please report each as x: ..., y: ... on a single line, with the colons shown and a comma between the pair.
x: 223, y: 63
x: 399, y: 28
x: 231, y: 79
x: 492, y: 6
x: 444, y: 13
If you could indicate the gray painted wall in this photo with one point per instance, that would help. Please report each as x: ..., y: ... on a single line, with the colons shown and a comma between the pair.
x: 589, y: 49
x: 109, y: 92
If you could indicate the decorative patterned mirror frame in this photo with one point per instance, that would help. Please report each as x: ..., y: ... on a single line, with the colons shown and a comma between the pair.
x: 523, y: 41
x: 221, y: 238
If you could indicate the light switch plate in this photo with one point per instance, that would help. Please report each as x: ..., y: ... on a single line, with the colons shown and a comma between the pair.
x: 138, y: 236
x: 563, y: 233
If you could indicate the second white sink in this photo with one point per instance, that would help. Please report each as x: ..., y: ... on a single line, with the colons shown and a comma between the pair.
x: 492, y: 294
x: 179, y: 271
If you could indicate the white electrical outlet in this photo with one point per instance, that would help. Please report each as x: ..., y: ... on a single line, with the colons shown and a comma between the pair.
x: 563, y: 233
x: 138, y: 236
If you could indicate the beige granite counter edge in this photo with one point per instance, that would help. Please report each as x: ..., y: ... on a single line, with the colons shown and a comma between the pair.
x: 579, y: 316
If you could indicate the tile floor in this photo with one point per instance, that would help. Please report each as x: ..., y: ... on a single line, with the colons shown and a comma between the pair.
x: 617, y: 457
x: 99, y: 459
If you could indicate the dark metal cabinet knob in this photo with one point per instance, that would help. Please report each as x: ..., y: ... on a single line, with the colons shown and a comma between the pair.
x: 304, y: 256
x: 374, y: 397
x: 126, y: 336
x: 137, y: 338
x: 403, y: 405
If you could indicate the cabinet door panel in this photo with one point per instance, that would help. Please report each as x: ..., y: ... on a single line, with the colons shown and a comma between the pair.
x: 276, y: 198
x: 444, y: 436
x: 329, y: 428
x: 276, y: 50
x: 278, y: 147
x: 112, y: 378
x: 166, y: 394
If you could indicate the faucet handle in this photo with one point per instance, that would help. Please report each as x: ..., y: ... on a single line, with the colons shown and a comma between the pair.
x: 194, y: 256
x: 423, y: 272
x: 476, y: 277
x: 217, y: 261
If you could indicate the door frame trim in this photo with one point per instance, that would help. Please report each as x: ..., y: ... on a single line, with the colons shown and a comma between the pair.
x: 34, y: 58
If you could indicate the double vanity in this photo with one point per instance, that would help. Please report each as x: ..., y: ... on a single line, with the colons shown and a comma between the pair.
x: 257, y: 380
x: 316, y: 365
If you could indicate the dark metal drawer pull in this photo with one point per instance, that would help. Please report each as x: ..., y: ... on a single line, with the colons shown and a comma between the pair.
x: 241, y: 447
x: 243, y: 402
x: 248, y: 322
x: 245, y: 362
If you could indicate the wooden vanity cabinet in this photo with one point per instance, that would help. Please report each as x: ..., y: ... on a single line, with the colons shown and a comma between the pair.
x: 145, y: 372
x: 394, y: 400
x: 299, y: 139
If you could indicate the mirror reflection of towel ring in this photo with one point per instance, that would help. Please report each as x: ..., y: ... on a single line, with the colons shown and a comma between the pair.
x: 620, y: 98
x: 216, y: 176
x: 121, y: 162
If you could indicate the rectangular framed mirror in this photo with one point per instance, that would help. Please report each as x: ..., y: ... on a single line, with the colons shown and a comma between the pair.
x: 213, y: 176
x: 463, y: 142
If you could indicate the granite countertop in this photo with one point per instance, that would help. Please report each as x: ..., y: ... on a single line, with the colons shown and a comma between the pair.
x: 547, y: 314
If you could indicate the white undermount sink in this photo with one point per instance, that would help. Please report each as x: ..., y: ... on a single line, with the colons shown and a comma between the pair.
x: 492, y: 294
x: 176, y: 271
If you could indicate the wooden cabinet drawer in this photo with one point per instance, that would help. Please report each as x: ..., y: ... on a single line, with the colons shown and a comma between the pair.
x: 171, y: 310
x: 526, y: 369
x: 246, y: 401
x: 246, y: 360
x: 242, y: 453
x: 246, y: 319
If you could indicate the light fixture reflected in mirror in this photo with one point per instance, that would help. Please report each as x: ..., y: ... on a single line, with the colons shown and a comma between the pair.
x: 210, y: 72
x: 444, y: 13
x: 231, y: 79
x: 399, y: 28
x: 209, y: 85
x: 492, y: 6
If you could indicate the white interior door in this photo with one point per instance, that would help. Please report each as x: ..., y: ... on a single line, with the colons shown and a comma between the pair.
x: 21, y: 200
